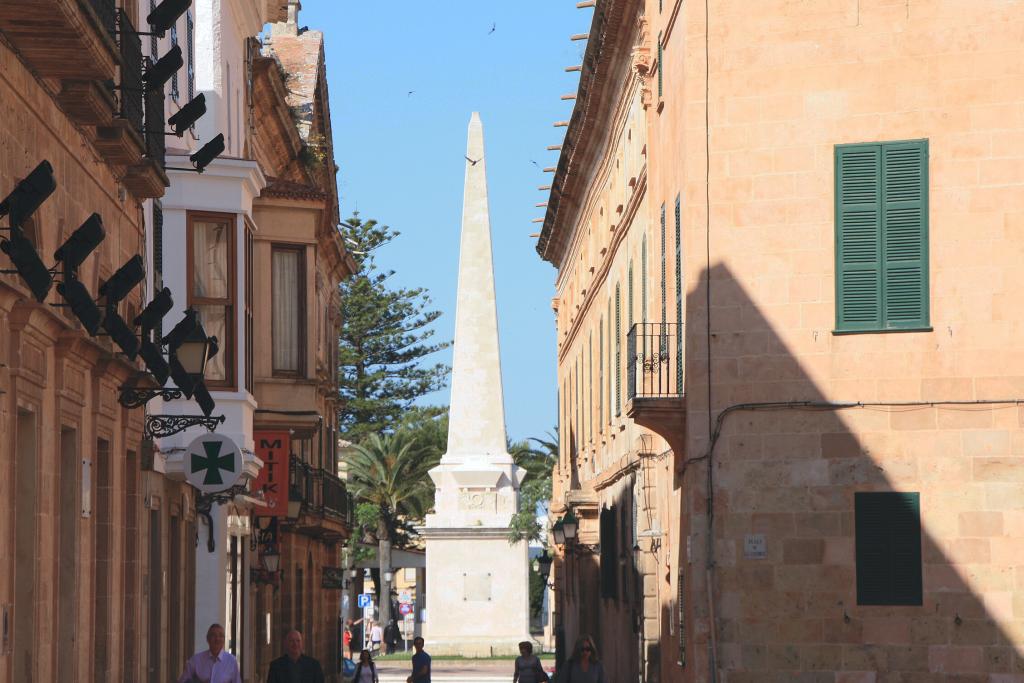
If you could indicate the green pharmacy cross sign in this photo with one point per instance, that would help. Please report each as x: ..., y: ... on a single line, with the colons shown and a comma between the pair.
x: 214, y: 463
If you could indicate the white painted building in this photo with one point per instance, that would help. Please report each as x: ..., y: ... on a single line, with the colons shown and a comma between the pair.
x: 199, y: 242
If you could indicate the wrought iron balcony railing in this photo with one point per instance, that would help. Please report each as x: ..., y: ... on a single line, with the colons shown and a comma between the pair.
x: 156, y: 143
x: 318, y: 490
x: 654, y: 354
x: 130, y: 93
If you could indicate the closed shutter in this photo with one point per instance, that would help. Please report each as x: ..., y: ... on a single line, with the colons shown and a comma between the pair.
x: 679, y: 301
x: 643, y: 279
x: 158, y: 257
x: 904, y: 227
x: 609, y: 553
x: 882, y: 236
x: 664, y: 271
x: 618, y: 352
x: 681, y: 614
x: 888, y: 548
x: 859, y: 228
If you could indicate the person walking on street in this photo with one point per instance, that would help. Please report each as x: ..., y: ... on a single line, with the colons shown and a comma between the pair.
x: 528, y: 666
x: 366, y: 670
x: 585, y: 666
x: 420, y: 663
x: 212, y: 665
x: 392, y: 636
x: 376, y: 637
x: 293, y: 666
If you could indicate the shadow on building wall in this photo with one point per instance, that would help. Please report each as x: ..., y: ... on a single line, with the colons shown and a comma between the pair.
x: 787, y: 459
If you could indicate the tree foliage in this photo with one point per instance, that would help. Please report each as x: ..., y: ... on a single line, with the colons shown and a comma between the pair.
x: 535, y: 493
x: 386, y: 334
x: 387, y: 475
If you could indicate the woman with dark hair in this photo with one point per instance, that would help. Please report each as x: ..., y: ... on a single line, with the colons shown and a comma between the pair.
x: 584, y: 666
x: 366, y: 670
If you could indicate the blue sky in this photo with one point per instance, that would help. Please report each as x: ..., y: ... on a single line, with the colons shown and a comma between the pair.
x: 401, y: 155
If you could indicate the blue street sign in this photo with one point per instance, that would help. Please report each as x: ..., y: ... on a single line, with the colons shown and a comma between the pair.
x: 364, y: 600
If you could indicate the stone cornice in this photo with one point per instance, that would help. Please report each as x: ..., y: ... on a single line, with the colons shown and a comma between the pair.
x: 607, y: 41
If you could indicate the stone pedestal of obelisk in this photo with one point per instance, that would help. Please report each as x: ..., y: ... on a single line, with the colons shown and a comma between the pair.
x: 477, y: 603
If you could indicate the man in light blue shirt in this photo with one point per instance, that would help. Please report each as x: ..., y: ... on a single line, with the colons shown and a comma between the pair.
x: 213, y: 665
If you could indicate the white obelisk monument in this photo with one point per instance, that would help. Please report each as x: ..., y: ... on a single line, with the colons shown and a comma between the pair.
x: 477, y: 597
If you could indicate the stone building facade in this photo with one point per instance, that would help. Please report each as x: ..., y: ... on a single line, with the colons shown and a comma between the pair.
x: 95, y: 579
x: 297, y: 311
x: 833, y: 210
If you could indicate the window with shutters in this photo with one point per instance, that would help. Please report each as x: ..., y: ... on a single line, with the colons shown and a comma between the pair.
x: 679, y: 300
x: 609, y: 554
x: 882, y: 236
x: 190, y: 45
x: 158, y: 257
x: 681, y: 614
x: 174, y: 76
x: 629, y: 297
x: 661, y: 60
x: 664, y: 271
x: 643, y: 279
x: 618, y: 353
x: 888, y: 548
x: 600, y: 375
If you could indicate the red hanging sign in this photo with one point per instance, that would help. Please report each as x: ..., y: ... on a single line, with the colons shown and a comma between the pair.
x: 273, y: 449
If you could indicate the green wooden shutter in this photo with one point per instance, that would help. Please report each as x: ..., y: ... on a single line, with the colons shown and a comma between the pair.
x: 664, y: 271
x: 618, y: 352
x: 888, y: 548
x: 643, y: 279
x: 611, y: 374
x: 661, y: 55
x: 679, y: 301
x: 629, y: 297
x: 905, y: 234
x: 882, y: 236
x: 858, y: 237
x: 600, y: 373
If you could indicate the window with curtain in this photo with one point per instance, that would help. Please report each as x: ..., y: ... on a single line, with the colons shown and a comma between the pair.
x: 288, y: 301
x: 211, y: 290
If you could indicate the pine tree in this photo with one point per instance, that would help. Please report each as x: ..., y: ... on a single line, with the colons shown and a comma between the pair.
x: 386, y: 333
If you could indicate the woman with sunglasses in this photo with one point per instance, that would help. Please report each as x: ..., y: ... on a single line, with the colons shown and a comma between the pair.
x: 584, y: 666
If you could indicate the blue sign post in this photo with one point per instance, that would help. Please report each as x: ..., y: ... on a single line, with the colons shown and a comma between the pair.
x: 364, y: 600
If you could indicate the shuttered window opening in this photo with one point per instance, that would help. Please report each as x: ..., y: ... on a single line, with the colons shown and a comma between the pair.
x: 888, y: 548
x: 679, y: 301
x: 609, y: 554
x: 681, y: 614
x: 882, y: 236
x: 664, y: 271
x: 643, y: 279
x: 618, y: 351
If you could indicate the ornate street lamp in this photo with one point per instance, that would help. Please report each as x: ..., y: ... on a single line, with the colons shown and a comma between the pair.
x: 558, y: 532
x: 570, y: 525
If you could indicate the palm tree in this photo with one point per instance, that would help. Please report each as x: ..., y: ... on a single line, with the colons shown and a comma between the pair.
x: 389, y: 473
x: 539, y: 461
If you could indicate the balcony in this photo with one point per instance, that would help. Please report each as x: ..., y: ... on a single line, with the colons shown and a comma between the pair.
x: 655, y: 396
x: 323, y: 501
x: 65, y: 39
x: 147, y: 179
x: 120, y: 141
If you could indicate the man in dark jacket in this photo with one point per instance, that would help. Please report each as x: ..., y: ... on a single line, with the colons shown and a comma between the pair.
x: 293, y: 666
x: 392, y: 636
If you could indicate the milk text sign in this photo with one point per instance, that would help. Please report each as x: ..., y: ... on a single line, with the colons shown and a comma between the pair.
x: 273, y: 449
x: 213, y: 463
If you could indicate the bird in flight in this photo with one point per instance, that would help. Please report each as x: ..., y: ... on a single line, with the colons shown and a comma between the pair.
x: 473, y: 162
x: 409, y: 94
x: 534, y: 163
x: 493, y: 28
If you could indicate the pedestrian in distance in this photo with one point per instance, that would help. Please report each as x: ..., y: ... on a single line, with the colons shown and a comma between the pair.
x: 376, y: 637
x: 420, y: 663
x: 293, y: 666
x: 584, y: 666
x: 212, y: 665
x: 366, y: 670
x: 350, y: 636
x: 528, y: 666
x: 392, y: 636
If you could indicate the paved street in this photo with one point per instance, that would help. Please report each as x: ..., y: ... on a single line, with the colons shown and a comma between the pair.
x: 452, y: 671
